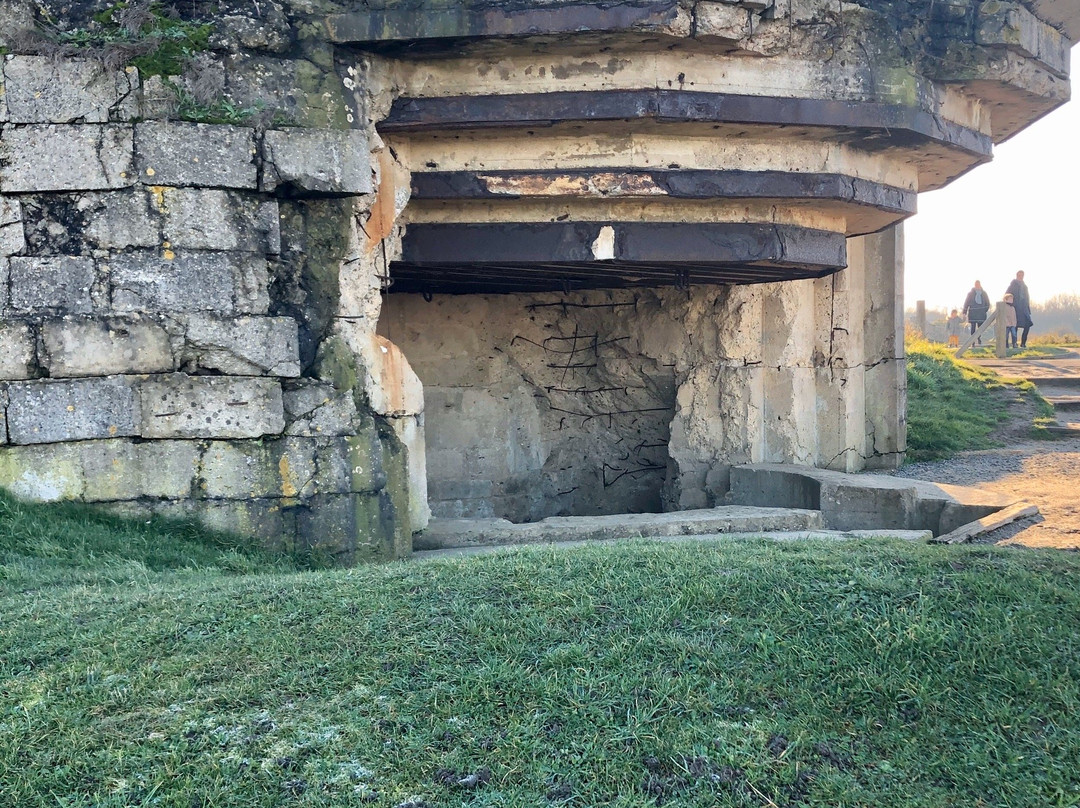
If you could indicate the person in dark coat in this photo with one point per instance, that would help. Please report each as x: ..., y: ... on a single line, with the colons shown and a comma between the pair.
x: 1022, y: 303
x: 976, y: 307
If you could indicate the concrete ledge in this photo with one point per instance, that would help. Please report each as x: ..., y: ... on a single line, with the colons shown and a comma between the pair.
x: 677, y: 184
x: 448, y: 533
x: 972, y: 530
x: 864, y: 501
x: 874, y: 125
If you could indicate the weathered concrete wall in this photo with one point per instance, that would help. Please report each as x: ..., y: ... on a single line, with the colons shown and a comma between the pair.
x: 630, y: 401
x: 541, y: 405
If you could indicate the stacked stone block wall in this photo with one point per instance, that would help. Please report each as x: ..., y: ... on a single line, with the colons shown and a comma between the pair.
x: 159, y: 342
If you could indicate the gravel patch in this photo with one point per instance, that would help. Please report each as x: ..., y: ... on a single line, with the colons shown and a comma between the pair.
x: 1044, y: 473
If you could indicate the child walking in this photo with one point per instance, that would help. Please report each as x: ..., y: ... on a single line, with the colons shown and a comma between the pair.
x: 953, y: 328
x: 1010, y: 321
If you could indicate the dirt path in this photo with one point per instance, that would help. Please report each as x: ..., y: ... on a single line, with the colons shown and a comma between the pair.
x: 1044, y: 473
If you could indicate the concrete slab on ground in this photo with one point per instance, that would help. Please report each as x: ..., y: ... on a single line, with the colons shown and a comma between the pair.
x: 778, y: 535
x: 448, y: 533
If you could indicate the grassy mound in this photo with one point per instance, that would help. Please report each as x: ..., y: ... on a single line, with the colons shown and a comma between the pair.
x: 720, y: 674
x: 954, y: 405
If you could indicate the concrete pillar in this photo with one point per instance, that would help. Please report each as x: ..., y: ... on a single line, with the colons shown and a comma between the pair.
x: 841, y: 402
x: 787, y: 359
x: 884, y: 362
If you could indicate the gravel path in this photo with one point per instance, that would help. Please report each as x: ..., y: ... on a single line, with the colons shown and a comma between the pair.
x: 1044, y: 473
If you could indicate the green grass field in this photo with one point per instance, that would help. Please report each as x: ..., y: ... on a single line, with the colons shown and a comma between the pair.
x: 719, y: 674
x: 954, y: 405
x: 158, y: 664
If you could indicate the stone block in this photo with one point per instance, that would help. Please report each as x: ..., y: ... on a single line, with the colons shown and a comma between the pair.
x: 104, y: 347
x: 117, y: 220
x: 319, y: 409
x: 60, y: 283
x: 42, y: 89
x: 16, y: 350
x: 51, y: 411
x: 318, y: 160
x: 195, y: 154
x: 181, y: 406
x: 352, y: 464
x: 262, y: 519
x: 12, y: 237
x: 61, y: 157
x: 210, y: 219
x: 244, y: 346
x: 349, y: 528
x: 167, y: 468
x: 46, y: 473
x: 77, y: 223
x: 119, y: 470
x: 99, y: 471
x: 226, y: 283
x: 257, y: 469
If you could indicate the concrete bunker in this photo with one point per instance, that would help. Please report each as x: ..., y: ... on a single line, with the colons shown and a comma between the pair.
x: 625, y: 247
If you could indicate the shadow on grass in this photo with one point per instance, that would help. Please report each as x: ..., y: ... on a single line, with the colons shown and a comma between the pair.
x: 63, y: 538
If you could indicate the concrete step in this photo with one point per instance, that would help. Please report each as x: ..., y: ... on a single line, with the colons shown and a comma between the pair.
x: 1064, y: 430
x: 447, y: 533
x: 866, y: 501
x: 1064, y: 403
x: 1050, y: 382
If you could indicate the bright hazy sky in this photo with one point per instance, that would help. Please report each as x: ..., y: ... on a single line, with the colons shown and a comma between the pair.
x: 1019, y: 211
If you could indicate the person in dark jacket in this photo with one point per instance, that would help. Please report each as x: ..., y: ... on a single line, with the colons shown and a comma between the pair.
x: 976, y: 307
x: 1022, y: 303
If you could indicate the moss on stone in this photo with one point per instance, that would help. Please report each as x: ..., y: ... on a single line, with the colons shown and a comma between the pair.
x: 324, y: 104
x: 399, y: 529
x: 336, y: 363
x: 315, y: 239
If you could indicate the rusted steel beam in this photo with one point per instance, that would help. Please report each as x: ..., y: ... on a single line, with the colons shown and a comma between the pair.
x: 557, y: 256
x: 704, y: 244
x: 869, y: 125
x: 560, y: 278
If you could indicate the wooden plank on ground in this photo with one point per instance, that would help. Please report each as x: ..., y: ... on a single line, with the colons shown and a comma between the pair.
x: 1005, y: 516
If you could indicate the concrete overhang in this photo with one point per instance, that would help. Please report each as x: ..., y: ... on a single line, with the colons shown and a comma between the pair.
x: 942, y: 149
